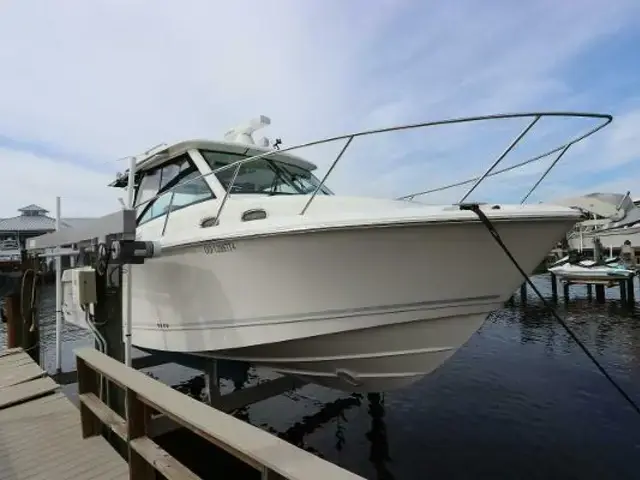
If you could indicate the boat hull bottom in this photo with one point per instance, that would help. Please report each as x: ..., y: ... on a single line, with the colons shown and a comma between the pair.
x: 375, y: 359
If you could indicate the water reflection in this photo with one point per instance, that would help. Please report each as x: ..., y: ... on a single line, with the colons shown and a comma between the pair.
x: 377, y: 435
x: 519, y: 400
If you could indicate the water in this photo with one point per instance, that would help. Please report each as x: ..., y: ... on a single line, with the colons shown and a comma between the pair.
x: 519, y: 400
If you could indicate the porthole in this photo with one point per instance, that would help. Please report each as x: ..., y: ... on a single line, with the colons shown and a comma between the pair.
x: 257, y: 214
x: 207, y: 222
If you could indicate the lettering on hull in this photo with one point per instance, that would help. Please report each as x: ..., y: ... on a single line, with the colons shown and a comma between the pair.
x: 219, y: 247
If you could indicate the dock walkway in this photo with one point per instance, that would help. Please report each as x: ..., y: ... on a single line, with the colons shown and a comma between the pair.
x: 40, y: 429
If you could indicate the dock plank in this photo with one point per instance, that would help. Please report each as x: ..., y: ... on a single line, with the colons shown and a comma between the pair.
x: 40, y: 433
x: 10, y: 351
x: 26, y: 391
x: 18, y: 368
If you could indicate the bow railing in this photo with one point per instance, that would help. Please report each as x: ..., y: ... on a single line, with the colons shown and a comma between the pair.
x: 560, y: 151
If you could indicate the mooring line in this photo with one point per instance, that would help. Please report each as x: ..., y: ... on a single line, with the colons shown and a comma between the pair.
x: 475, y: 208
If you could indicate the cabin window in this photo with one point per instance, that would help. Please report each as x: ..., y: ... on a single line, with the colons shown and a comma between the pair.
x: 180, y: 178
x: 263, y: 175
x: 148, y: 186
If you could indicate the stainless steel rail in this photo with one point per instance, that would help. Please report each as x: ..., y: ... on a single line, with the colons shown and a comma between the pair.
x: 604, y: 120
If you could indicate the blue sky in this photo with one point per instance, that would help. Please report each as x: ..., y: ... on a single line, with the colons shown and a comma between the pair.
x: 95, y: 81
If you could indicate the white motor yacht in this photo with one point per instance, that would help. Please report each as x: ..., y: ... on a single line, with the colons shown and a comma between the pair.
x: 261, y: 262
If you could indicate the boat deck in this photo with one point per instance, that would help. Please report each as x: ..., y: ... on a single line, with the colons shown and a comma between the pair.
x: 40, y: 433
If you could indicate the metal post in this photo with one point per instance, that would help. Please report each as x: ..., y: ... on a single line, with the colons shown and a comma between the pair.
x: 554, y: 288
x: 631, y: 294
x: 600, y: 298
x: 324, y: 179
x: 212, y: 383
x: 500, y: 158
x: 581, y: 241
x: 623, y: 291
x: 72, y: 258
x: 58, y: 274
x: 546, y: 172
x: 565, y: 292
x: 127, y: 274
x: 523, y: 293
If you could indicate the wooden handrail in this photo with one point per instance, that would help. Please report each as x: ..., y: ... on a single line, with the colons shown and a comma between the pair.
x: 274, y: 457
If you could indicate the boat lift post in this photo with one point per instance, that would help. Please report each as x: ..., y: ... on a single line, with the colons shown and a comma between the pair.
x: 58, y: 277
x: 127, y: 277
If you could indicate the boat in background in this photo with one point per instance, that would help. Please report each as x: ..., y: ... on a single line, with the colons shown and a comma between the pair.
x: 261, y: 262
x: 611, y: 217
x: 609, y: 272
x: 10, y: 273
x: 9, y: 251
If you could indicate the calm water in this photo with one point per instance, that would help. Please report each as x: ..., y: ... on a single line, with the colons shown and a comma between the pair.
x: 520, y: 400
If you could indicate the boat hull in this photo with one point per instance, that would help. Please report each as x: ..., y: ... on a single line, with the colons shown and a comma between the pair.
x: 374, y: 359
x: 365, y: 309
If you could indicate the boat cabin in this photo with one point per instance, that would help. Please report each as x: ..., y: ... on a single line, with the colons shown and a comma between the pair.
x: 181, y: 175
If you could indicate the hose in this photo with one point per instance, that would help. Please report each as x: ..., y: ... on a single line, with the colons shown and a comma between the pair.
x: 102, y: 347
x: 29, y: 311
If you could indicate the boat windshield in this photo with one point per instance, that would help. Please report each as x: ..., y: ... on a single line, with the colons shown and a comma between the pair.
x: 263, y: 175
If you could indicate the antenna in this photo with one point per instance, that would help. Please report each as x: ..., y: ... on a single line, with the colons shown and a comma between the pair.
x: 242, y: 133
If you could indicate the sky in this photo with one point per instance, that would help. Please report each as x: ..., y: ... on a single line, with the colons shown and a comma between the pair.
x: 84, y: 84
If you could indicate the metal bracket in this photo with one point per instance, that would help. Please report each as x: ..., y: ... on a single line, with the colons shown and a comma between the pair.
x: 132, y: 251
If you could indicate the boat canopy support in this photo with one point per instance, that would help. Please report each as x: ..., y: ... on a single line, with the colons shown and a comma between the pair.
x: 120, y: 225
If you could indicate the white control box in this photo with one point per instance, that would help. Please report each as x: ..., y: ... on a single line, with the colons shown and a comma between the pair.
x: 78, y: 289
x: 83, y: 285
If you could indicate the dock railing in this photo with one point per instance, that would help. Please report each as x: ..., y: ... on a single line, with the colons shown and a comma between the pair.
x: 273, y: 457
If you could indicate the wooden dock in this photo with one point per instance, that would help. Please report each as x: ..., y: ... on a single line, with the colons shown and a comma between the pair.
x: 43, y: 436
x: 148, y: 400
x: 40, y: 429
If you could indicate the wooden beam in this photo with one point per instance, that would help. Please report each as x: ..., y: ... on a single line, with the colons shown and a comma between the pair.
x: 258, y: 448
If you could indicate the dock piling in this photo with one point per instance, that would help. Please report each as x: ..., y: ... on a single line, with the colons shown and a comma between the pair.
x: 631, y: 294
x: 22, y: 333
x: 600, y: 297
x: 554, y: 288
x: 12, y: 317
x: 623, y: 291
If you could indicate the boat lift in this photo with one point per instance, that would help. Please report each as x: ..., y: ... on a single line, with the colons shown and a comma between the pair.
x: 113, y: 235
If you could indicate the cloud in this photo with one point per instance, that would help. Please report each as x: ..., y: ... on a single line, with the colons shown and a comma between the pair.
x: 28, y: 178
x: 95, y: 81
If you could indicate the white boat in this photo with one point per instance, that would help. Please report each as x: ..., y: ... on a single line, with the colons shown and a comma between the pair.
x: 609, y: 272
x: 9, y: 251
x: 613, y: 218
x: 261, y: 262
x: 9, y: 263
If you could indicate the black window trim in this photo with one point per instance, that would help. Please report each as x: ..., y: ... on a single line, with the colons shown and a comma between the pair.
x: 187, y: 171
x: 273, y: 163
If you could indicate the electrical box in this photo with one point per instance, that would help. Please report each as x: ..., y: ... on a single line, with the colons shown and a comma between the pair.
x: 83, y: 285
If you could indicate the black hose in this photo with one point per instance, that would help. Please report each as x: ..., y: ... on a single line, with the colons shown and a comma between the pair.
x: 29, y: 302
x: 475, y: 208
